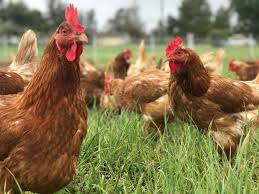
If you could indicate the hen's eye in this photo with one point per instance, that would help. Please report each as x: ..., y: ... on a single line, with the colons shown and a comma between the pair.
x: 179, y: 52
x: 63, y: 31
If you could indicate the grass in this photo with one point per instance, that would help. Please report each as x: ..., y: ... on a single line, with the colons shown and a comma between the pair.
x: 115, y: 158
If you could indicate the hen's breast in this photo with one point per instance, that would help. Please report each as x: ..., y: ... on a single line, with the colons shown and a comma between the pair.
x: 45, y: 158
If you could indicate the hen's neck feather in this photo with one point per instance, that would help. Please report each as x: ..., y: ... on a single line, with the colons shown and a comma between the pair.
x: 193, y: 78
x: 54, y: 79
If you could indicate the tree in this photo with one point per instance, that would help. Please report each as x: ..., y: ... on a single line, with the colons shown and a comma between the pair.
x: 16, y: 17
x: 126, y: 20
x: 1, y: 3
x: 248, y: 13
x: 195, y: 17
x: 221, y: 24
x: 221, y: 20
x: 172, y: 25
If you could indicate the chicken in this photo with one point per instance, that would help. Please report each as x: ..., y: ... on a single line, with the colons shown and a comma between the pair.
x: 16, y: 76
x: 214, y: 103
x: 120, y: 65
x: 107, y: 101
x: 147, y: 92
x: 143, y: 62
x: 245, y: 71
x: 42, y: 128
x: 215, y: 65
x: 92, y: 85
x: 207, y: 57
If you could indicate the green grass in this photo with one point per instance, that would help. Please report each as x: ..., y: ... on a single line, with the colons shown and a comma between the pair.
x: 115, y: 158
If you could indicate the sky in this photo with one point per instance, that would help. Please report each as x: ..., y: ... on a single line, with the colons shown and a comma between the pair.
x: 149, y: 9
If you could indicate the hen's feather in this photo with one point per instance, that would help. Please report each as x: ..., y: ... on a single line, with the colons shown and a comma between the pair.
x: 147, y: 92
x: 10, y: 83
x: 143, y: 63
x: 215, y: 64
x: 147, y: 86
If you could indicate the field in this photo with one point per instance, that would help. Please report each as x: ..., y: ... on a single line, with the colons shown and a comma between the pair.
x: 115, y: 158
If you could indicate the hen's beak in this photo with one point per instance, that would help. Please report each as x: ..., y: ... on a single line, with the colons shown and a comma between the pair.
x: 81, y: 38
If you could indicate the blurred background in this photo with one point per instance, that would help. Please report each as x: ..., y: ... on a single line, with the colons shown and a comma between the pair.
x: 119, y: 24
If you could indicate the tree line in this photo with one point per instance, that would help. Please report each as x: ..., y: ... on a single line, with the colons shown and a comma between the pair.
x: 15, y: 17
x: 195, y: 16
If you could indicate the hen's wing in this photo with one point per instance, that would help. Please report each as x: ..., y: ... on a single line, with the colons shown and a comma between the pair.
x: 9, y: 135
x: 147, y: 86
x: 232, y: 96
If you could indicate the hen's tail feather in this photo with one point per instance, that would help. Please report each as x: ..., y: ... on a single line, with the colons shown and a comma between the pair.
x: 27, y: 49
x: 25, y: 60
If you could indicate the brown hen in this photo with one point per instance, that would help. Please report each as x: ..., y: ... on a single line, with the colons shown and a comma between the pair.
x: 41, y: 129
x: 92, y: 85
x: 245, y: 70
x: 215, y: 103
x: 120, y: 65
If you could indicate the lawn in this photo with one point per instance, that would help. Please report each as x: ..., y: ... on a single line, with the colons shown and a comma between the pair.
x: 115, y: 158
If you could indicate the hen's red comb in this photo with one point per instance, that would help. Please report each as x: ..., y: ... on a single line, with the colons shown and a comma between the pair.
x: 173, y: 45
x: 129, y: 52
x: 72, y: 17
